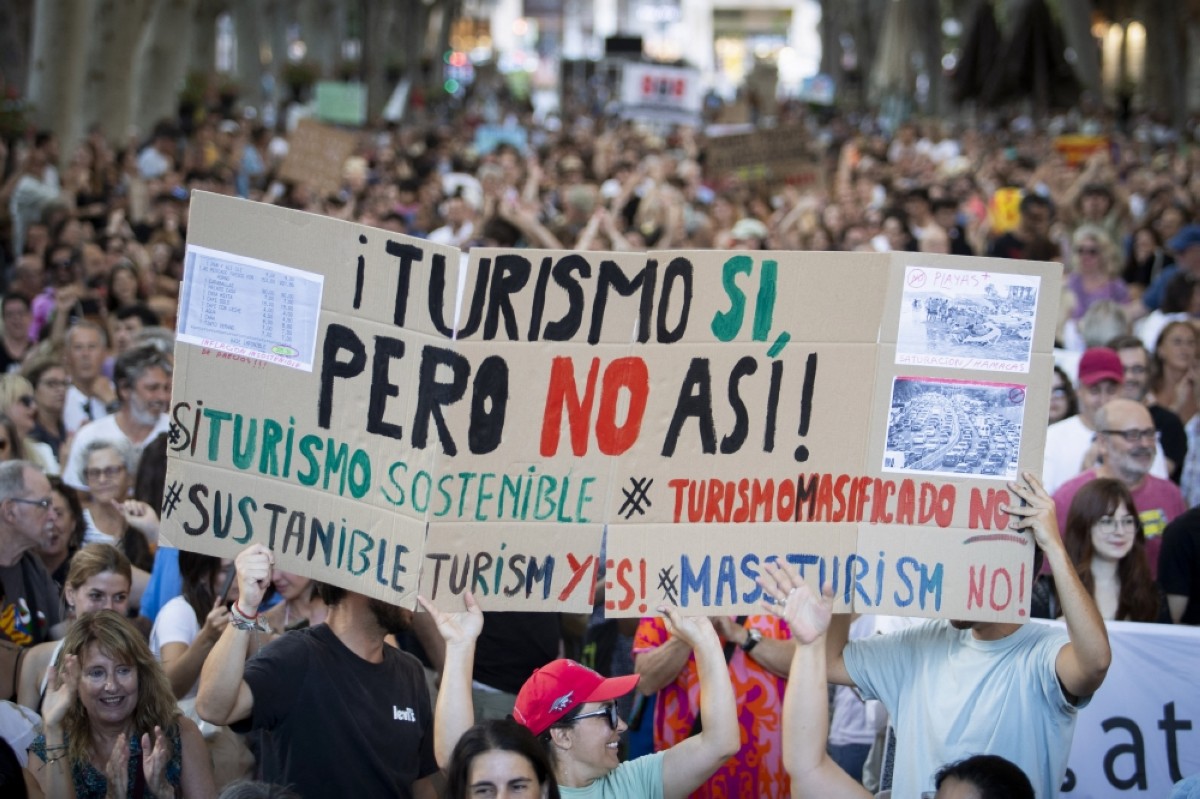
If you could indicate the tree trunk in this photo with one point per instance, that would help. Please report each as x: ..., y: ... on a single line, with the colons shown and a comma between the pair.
x: 829, y: 28
x: 1192, y: 78
x: 56, y: 69
x: 1077, y: 30
x: 204, y: 36
x: 416, y: 18
x: 16, y: 31
x: 276, y: 16
x: 323, y: 27
x: 377, y: 23
x: 1165, y: 70
x: 868, y: 33
x: 108, y: 87
x: 931, y: 48
x: 162, y: 61
x: 249, y: 53
x: 450, y: 13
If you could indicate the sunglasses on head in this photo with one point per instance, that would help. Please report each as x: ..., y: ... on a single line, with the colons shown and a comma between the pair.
x: 609, y: 711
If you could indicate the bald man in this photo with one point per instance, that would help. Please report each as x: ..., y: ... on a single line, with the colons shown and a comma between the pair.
x: 1126, y: 439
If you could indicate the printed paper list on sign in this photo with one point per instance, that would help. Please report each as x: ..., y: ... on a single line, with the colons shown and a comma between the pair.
x: 250, y: 307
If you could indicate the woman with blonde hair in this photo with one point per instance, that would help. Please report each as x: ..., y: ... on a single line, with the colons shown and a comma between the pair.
x: 110, y: 726
x: 18, y: 404
x: 100, y: 578
x: 1095, y: 275
x: 12, y: 446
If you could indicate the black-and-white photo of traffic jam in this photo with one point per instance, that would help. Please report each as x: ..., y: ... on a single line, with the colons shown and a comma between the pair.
x: 966, y: 320
x: 954, y: 427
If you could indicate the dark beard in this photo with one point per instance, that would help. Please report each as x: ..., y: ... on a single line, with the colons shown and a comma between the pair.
x: 393, y: 619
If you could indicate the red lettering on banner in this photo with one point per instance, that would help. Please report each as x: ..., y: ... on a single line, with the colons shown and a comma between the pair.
x: 563, y: 391
x: 818, y: 498
x: 990, y: 513
x: 629, y: 374
x: 578, y: 570
x: 621, y: 574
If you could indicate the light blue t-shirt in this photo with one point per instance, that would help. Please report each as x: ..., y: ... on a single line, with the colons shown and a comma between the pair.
x: 951, y: 696
x: 633, y: 779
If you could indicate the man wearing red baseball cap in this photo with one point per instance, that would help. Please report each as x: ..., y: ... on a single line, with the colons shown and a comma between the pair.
x: 1070, y: 444
x: 571, y: 710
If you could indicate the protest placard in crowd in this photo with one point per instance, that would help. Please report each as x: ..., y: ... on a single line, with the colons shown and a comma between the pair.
x: 776, y: 155
x: 316, y: 155
x: 383, y: 418
x: 661, y: 93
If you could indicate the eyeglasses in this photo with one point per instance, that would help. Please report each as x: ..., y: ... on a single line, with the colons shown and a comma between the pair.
x: 1134, y: 436
x: 43, y: 503
x: 56, y: 384
x: 108, y: 473
x: 27, y: 400
x: 609, y: 712
x: 1107, y: 524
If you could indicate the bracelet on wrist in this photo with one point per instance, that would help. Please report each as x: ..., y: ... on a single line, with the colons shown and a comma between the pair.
x: 236, y: 610
x: 240, y: 621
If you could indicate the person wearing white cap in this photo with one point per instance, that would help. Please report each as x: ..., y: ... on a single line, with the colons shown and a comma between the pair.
x: 749, y: 234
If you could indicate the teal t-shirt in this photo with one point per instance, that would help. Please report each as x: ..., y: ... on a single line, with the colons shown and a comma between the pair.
x: 633, y: 779
x: 952, y: 696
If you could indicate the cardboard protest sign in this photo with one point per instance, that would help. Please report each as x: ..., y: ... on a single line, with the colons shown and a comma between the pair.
x: 657, y: 93
x: 316, y: 153
x: 408, y: 421
x: 779, y: 155
x: 271, y: 440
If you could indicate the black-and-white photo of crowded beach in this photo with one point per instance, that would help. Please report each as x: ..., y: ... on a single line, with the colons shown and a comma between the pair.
x: 954, y: 427
x: 966, y: 319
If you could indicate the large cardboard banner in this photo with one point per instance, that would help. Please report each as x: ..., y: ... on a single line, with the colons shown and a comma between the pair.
x: 383, y: 418
x: 1140, y: 734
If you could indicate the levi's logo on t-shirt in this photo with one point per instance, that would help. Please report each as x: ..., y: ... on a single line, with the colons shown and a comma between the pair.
x: 408, y: 714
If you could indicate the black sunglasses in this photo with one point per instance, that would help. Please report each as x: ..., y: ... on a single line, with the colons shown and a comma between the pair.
x: 609, y: 711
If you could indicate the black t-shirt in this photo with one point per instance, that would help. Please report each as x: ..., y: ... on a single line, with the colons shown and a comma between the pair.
x: 29, y: 602
x: 1179, y: 562
x: 512, y: 645
x: 340, y: 725
x: 8, y: 362
x: 1172, y: 436
x: 1009, y: 245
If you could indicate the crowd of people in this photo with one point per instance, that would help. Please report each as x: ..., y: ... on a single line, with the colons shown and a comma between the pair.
x: 137, y: 670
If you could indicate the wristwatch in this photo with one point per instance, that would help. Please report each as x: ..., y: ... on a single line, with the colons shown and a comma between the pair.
x: 752, y: 638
